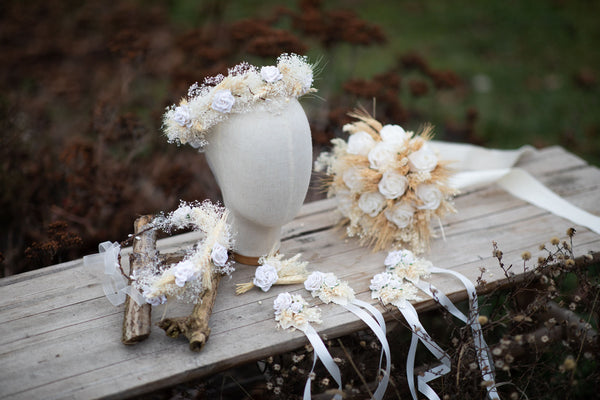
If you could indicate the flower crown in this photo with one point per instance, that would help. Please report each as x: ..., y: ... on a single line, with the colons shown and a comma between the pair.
x: 188, y: 278
x: 388, y: 182
x: 244, y: 89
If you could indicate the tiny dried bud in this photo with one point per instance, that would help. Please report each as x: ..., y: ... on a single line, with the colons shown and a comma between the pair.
x: 473, y: 366
x: 497, y: 253
x: 571, y: 232
x: 545, y: 339
x: 570, y: 262
x: 569, y: 363
x: 554, y: 240
x: 514, y: 396
x: 483, y: 319
x: 509, y: 358
x: 497, y: 351
x: 526, y: 255
x: 276, y: 367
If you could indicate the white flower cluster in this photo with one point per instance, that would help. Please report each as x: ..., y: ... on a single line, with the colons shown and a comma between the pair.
x: 244, y: 89
x: 187, y: 279
x: 405, y: 265
x: 390, y: 289
x: 292, y: 311
x: 386, y: 179
x: 329, y: 288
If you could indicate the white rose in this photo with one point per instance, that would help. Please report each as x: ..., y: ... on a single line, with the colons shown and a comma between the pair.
x: 379, y: 281
x: 393, y: 134
x: 423, y: 160
x: 223, y: 101
x: 382, y: 155
x: 265, y: 276
x: 183, y: 272
x: 395, y: 258
x: 392, y: 184
x: 371, y: 203
x: 353, y: 179
x: 314, y: 281
x: 400, y: 214
x: 330, y: 280
x: 430, y: 195
x: 183, y: 116
x: 360, y: 143
x: 344, y: 202
x: 282, y: 302
x: 296, y: 307
x: 219, y: 255
x: 270, y: 74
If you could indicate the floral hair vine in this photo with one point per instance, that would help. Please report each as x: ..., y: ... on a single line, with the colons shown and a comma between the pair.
x: 244, y: 89
x: 328, y: 288
x: 293, y: 312
x: 398, y: 285
x: 274, y: 270
x: 389, y: 183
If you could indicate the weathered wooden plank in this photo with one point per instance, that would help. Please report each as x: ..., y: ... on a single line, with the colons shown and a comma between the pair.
x: 59, y: 336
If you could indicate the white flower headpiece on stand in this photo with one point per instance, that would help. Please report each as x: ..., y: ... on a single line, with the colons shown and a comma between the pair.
x: 275, y: 270
x: 328, y: 288
x: 293, y: 312
x: 244, y: 89
x: 398, y: 285
x: 389, y: 183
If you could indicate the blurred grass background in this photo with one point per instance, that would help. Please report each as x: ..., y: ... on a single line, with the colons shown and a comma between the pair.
x: 83, y: 87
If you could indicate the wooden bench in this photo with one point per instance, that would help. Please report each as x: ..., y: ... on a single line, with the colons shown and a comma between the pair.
x: 60, y: 337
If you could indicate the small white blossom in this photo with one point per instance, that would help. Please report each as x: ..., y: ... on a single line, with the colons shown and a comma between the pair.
x: 219, y: 255
x: 296, y: 307
x: 400, y: 214
x: 371, y: 203
x: 314, y: 281
x: 395, y: 258
x: 223, y: 101
x: 265, y: 276
x: 380, y: 280
x: 270, y: 74
x: 360, y: 143
x: 393, y: 134
x: 330, y: 280
x: 183, y: 272
x: 282, y: 302
x: 353, y: 179
x: 183, y: 116
x: 430, y: 195
x: 382, y: 155
x: 392, y: 184
x: 422, y: 160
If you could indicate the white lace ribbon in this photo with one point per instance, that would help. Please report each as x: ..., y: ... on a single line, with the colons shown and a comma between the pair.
x: 478, y: 166
x: 114, y: 284
x: 320, y: 351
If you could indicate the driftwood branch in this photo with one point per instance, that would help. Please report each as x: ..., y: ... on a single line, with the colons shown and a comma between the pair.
x: 137, y: 319
x: 195, y: 326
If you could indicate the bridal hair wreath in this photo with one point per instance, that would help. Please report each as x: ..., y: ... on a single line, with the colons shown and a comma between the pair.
x: 245, y: 88
x: 187, y: 279
x: 389, y: 183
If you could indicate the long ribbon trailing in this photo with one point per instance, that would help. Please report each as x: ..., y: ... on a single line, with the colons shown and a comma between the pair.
x: 481, y: 347
x: 477, y: 166
x: 320, y: 351
x: 420, y: 334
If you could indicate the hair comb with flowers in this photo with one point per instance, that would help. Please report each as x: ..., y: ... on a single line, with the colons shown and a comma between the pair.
x: 389, y: 183
x: 275, y: 270
x: 246, y: 88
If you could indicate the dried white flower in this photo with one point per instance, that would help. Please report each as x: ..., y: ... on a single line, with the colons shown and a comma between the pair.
x: 382, y: 155
x: 265, y: 276
x: 270, y: 74
x: 183, y: 116
x: 223, y: 101
x: 371, y: 203
x: 430, y: 195
x: 422, y: 160
x: 392, y: 184
x: 393, y: 134
x: 360, y: 143
x: 219, y: 255
x: 400, y: 214
x: 314, y: 281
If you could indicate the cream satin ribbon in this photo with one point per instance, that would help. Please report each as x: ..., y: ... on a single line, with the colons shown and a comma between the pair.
x: 320, y: 351
x: 477, y: 166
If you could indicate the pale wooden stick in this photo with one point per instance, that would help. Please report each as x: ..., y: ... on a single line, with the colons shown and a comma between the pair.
x: 195, y: 326
x: 137, y: 319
